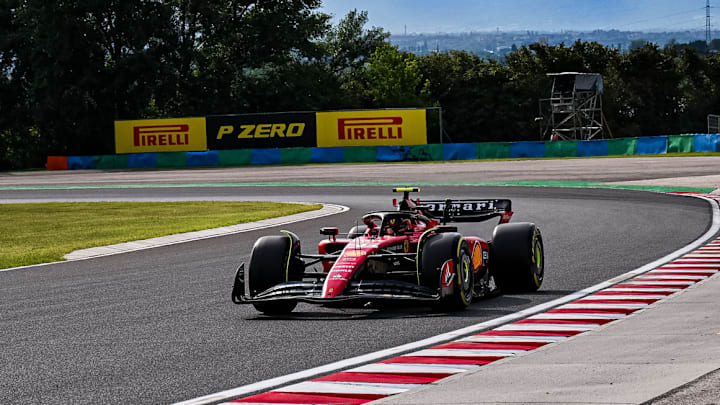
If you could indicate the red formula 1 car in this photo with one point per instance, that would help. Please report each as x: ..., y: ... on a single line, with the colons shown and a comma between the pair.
x: 407, y: 254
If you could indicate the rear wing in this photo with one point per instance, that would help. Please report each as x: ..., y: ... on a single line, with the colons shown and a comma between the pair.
x: 467, y: 210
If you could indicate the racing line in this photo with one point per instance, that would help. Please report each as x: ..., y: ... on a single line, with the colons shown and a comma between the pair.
x: 354, y: 381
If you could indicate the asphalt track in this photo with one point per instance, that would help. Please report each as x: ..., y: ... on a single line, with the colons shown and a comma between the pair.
x: 157, y: 326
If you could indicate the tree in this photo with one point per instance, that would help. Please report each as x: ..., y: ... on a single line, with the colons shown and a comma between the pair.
x: 700, y: 46
x: 16, y: 143
x: 294, y: 86
x: 69, y: 69
x: 393, y: 79
x: 472, y: 93
x: 81, y: 65
x: 349, y: 45
x: 637, y: 44
x: 221, y: 40
x: 648, y: 100
x: 715, y: 45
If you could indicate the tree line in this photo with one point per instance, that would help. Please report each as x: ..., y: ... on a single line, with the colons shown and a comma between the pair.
x: 69, y: 69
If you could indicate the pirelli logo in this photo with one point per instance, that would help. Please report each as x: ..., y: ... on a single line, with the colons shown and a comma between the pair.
x: 370, y: 128
x: 161, y: 135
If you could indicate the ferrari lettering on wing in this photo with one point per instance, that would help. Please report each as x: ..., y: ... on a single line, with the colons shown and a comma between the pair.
x: 468, y: 206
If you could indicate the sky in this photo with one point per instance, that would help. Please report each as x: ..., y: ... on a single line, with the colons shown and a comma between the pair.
x: 430, y: 16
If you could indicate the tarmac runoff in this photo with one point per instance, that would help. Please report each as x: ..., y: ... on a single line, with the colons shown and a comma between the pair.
x: 520, y: 363
x: 668, y: 354
x: 671, y: 342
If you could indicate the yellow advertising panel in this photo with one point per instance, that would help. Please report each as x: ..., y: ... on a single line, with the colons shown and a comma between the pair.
x: 371, y: 128
x: 163, y: 135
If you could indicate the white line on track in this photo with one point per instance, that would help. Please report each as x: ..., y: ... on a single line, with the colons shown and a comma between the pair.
x: 578, y: 315
x: 643, y: 290
x: 399, y: 368
x: 651, y: 276
x: 321, y: 387
x: 465, y: 353
x: 459, y: 333
x: 638, y: 305
x: 682, y: 271
x: 549, y: 327
x: 511, y: 339
x: 659, y: 283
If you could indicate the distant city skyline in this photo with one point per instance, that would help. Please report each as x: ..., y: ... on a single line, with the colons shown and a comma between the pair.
x: 431, y: 16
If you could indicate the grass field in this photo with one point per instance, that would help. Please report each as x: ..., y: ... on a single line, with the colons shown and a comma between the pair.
x: 45, y: 232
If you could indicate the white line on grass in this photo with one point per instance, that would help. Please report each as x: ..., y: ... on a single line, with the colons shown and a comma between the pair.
x: 91, y: 253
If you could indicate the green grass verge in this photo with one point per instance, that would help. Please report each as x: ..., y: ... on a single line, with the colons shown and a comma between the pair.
x: 45, y: 232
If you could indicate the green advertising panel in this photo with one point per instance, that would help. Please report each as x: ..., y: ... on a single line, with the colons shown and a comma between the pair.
x: 110, y: 162
x: 622, y: 146
x: 295, y: 156
x: 360, y: 154
x: 680, y: 143
x: 493, y: 150
x: 561, y: 149
x: 171, y: 159
x: 238, y: 157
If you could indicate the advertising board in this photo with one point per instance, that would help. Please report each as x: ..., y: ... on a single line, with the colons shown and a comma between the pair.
x: 257, y: 131
x: 372, y: 128
x: 160, y: 135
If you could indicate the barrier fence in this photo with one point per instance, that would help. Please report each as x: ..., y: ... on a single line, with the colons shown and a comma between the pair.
x: 403, y: 153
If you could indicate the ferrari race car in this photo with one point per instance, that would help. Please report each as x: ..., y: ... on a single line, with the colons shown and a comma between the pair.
x: 407, y: 254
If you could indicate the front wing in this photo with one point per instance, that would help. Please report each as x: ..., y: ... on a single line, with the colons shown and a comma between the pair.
x: 355, y: 291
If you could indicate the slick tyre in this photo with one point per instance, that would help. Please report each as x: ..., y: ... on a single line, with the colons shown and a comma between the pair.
x: 270, y: 264
x: 517, y: 257
x: 455, y: 282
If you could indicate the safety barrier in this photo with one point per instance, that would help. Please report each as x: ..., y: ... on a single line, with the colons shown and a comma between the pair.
x: 362, y: 154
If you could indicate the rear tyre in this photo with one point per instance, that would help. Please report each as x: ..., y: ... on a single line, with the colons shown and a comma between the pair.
x: 518, y: 258
x: 271, y: 264
x: 458, y: 277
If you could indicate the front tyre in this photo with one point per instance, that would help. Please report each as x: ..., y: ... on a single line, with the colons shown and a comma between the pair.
x: 445, y: 264
x: 271, y: 264
x: 463, y: 288
x: 518, y: 257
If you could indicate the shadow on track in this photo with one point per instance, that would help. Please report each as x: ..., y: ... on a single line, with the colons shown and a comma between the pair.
x: 483, y: 309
